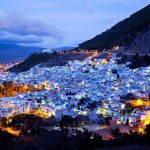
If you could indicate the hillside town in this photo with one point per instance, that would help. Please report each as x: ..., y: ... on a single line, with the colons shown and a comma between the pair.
x: 96, y: 88
x: 75, y: 75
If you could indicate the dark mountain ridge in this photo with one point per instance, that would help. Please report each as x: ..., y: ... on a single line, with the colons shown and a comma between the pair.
x: 121, y: 34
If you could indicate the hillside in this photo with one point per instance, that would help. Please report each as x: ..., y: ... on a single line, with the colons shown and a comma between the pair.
x: 122, y: 34
x: 48, y: 60
x: 140, y: 45
x: 14, y: 52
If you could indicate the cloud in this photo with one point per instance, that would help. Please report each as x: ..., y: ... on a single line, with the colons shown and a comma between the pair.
x: 93, y: 5
x: 17, y: 29
x: 6, y: 37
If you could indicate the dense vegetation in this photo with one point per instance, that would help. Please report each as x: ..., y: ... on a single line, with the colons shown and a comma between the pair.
x: 35, y: 137
x: 139, y: 61
x: 136, y: 60
x: 122, y: 33
x: 31, y: 61
x: 48, y: 60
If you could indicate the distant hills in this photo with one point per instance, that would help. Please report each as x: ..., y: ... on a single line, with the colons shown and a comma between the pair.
x: 13, y: 52
x: 121, y: 34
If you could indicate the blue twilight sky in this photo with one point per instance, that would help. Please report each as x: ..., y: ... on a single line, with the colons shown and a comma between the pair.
x: 56, y: 23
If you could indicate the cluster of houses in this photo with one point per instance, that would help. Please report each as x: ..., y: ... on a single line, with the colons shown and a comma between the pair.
x: 92, y: 88
x: 3, y: 70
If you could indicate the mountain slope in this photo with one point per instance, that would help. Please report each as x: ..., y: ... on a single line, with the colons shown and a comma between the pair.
x: 140, y: 45
x: 122, y: 33
x: 13, y: 52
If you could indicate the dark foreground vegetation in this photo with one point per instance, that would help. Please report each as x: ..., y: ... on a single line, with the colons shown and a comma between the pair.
x: 122, y: 33
x: 48, y: 59
x: 70, y: 139
x: 35, y: 137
